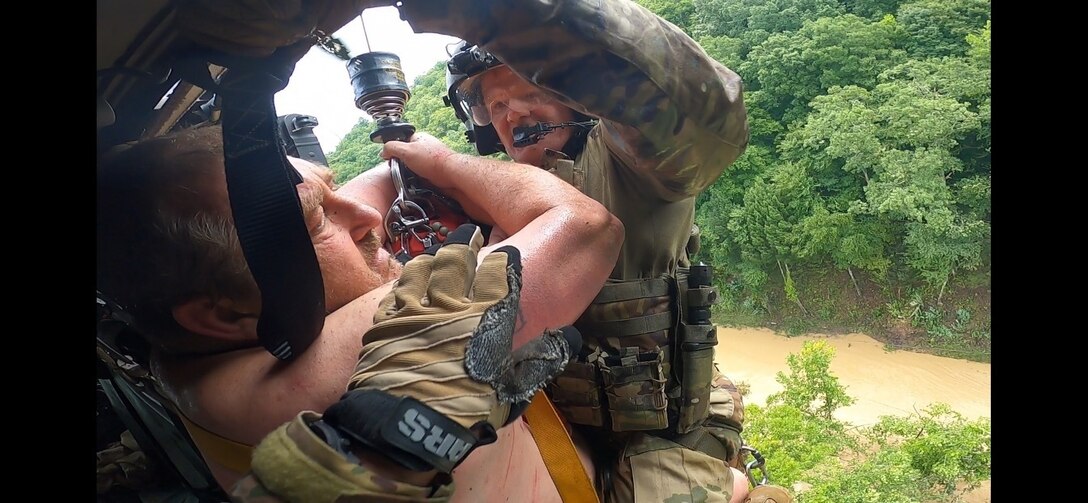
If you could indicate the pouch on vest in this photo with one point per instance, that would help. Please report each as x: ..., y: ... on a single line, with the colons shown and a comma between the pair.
x: 634, y: 383
x: 693, y: 348
x: 626, y: 317
x: 577, y: 392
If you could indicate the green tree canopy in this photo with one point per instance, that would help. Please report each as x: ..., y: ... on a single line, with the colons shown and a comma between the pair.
x: 940, y: 27
x: 765, y: 227
x: 678, y: 12
x: 793, y: 68
x: 356, y: 153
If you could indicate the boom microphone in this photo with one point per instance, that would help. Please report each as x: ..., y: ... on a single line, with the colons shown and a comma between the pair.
x: 529, y: 135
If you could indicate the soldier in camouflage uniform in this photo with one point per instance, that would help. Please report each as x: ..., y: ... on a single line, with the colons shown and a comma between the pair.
x: 668, y: 120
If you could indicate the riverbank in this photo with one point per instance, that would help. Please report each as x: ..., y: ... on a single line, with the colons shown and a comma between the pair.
x: 884, y: 382
x: 952, y: 322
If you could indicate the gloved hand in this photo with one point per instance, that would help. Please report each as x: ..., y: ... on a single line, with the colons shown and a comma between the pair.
x: 259, y: 27
x: 769, y: 494
x: 293, y: 464
x: 436, y: 376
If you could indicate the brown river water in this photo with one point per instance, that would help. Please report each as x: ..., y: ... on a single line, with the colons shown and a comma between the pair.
x: 883, y: 382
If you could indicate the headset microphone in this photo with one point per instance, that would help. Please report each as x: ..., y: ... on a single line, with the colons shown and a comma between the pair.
x: 529, y: 135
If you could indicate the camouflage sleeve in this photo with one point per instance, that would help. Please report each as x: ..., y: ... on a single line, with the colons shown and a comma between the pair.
x: 733, y: 413
x: 668, y: 108
x: 293, y: 465
x: 726, y: 421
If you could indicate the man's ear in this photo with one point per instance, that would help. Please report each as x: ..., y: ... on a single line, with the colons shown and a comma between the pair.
x: 222, y: 319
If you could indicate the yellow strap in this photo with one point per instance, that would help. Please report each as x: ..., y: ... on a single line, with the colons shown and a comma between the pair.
x: 224, y: 451
x: 558, y: 452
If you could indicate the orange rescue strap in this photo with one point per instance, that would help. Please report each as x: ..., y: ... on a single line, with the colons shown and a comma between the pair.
x: 214, y: 447
x: 556, y: 447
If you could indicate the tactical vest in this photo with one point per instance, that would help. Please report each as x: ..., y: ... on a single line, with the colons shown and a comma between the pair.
x: 639, y: 369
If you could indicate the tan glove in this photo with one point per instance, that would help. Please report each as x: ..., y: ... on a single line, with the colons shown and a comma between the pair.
x: 436, y: 376
x: 293, y: 464
x: 259, y: 27
x: 769, y: 494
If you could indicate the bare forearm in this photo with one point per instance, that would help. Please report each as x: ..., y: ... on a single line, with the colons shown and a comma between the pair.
x: 569, y: 242
x: 567, y: 255
x: 512, y: 194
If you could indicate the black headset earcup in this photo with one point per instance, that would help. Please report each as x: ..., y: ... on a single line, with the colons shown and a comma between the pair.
x: 486, y: 139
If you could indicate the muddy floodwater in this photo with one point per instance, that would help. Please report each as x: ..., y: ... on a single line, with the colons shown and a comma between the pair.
x: 883, y: 382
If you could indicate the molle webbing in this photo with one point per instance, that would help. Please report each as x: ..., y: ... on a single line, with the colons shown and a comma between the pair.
x: 629, y: 308
x: 627, y: 290
x: 651, y: 367
x: 621, y: 385
x: 577, y: 393
x: 632, y: 326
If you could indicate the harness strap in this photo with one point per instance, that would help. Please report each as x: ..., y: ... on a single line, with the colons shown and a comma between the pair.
x: 214, y: 447
x: 266, y: 208
x: 551, y: 436
x: 263, y: 198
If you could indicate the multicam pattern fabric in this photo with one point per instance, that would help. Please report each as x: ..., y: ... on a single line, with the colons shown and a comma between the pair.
x: 293, y: 465
x: 624, y: 310
x: 656, y: 470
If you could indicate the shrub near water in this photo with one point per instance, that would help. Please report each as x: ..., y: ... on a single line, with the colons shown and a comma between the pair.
x: 796, y: 430
x: 922, y: 457
x: 946, y: 449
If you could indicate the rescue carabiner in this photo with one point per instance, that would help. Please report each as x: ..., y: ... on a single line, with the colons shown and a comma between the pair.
x: 758, y: 463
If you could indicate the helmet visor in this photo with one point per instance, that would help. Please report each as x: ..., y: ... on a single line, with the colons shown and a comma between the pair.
x: 469, y: 98
x: 482, y: 104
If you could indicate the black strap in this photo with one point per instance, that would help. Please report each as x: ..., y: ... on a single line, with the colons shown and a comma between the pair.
x: 264, y: 200
x: 406, y: 430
